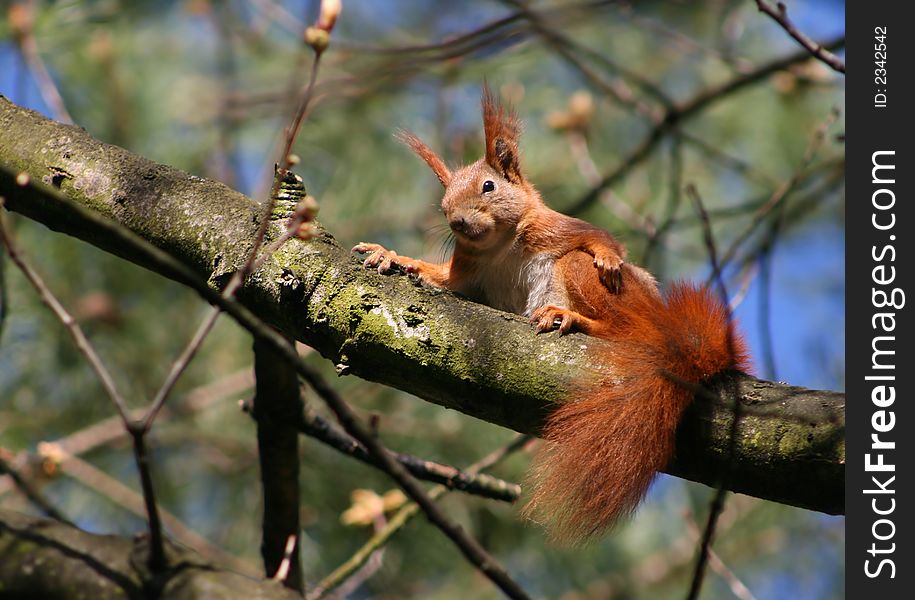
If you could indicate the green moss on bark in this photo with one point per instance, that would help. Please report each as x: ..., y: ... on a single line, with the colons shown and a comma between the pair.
x: 388, y: 329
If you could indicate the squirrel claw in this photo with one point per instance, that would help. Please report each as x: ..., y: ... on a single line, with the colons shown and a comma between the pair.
x: 379, y: 257
x: 383, y: 260
x: 548, y: 318
x: 610, y: 272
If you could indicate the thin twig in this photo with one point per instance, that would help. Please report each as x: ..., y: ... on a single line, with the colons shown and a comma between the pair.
x: 674, y: 197
x: 471, y: 38
x: 566, y: 48
x: 72, y: 327
x: 108, y: 431
x: 29, y: 491
x: 178, y: 367
x: 347, y: 587
x: 21, y: 18
x: 683, y: 111
x: 781, y: 193
x: 738, y: 588
x: 578, y: 144
x: 715, y: 509
x: 717, y: 504
x: 402, y: 517
x: 715, y: 152
x: 481, y: 485
x: 123, y: 495
x: 780, y: 16
x: 708, y: 237
x: 283, y: 571
x: 469, y: 547
x: 238, y: 278
x: 453, y: 478
x: 765, y: 312
x: 4, y: 296
x: 747, y: 275
x: 157, y: 560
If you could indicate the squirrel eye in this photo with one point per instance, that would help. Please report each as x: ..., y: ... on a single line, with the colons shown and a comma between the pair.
x: 488, y: 186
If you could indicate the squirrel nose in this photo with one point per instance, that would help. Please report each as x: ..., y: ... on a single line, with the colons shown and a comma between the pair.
x: 456, y: 223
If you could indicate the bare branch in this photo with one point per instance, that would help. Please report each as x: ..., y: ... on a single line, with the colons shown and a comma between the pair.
x: 45, y: 559
x: 469, y: 547
x: 738, y: 588
x: 283, y: 572
x: 458, y: 354
x: 402, y: 517
x: 107, y: 431
x: 780, y: 16
x: 427, y: 470
x: 708, y: 237
x: 683, y: 111
x: 277, y: 407
x: 66, y: 319
x: 124, y: 496
x: 21, y: 17
x: 782, y: 191
x: 286, y: 160
x: 28, y: 490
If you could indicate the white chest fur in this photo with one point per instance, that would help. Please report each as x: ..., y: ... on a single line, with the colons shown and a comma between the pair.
x: 519, y: 282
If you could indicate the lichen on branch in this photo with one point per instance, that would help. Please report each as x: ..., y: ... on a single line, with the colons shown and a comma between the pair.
x: 461, y: 355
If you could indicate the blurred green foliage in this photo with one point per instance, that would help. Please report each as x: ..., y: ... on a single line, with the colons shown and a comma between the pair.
x: 204, y: 86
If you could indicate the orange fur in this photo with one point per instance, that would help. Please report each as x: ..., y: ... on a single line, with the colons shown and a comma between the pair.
x: 603, y: 449
x: 503, y: 132
x: 539, y: 228
x: 425, y: 152
x: 513, y: 252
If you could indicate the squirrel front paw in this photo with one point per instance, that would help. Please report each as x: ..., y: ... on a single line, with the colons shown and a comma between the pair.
x: 548, y: 318
x: 610, y: 271
x: 383, y: 260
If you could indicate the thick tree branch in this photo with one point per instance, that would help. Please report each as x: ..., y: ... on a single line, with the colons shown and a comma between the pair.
x: 277, y: 407
x: 45, y: 559
x: 461, y: 355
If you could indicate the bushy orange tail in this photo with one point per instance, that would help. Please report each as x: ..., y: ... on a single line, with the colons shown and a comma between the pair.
x: 602, y: 451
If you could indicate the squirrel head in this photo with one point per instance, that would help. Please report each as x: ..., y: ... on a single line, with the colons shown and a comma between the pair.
x: 485, y: 201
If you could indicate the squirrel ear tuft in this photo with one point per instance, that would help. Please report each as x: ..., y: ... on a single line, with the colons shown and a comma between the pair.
x: 427, y: 154
x: 503, y: 131
x: 506, y: 155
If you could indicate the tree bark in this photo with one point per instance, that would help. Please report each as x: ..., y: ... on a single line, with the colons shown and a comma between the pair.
x: 277, y: 410
x: 48, y: 559
x: 788, y: 444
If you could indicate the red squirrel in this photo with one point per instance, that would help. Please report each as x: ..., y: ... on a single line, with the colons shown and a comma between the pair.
x: 514, y: 253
